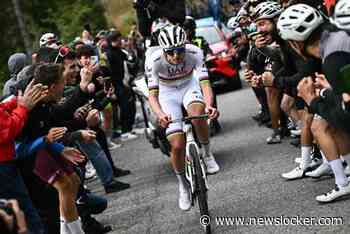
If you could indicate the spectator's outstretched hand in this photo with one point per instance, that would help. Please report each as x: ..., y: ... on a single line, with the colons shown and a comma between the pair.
x: 55, y: 134
x: 32, y: 95
x: 88, y: 135
x: 86, y: 77
x: 93, y: 118
x: 306, y: 89
x: 73, y: 155
x: 322, y: 82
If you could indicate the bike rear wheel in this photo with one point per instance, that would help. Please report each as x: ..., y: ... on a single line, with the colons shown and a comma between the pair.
x: 201, y: 189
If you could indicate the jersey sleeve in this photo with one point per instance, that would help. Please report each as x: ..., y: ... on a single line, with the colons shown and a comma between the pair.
x: 152, y: 76
x: 201, y: 70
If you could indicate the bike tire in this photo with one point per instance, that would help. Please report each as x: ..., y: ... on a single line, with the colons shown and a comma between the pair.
x: 202, y: 195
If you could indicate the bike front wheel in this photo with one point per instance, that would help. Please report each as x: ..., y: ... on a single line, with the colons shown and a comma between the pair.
x: 201, y: 189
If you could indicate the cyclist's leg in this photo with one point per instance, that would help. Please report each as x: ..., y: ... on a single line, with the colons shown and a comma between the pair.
x: 194, y: 104
x: 177, y: 141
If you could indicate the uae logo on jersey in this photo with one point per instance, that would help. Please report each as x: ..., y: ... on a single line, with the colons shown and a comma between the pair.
x: 176, y: 70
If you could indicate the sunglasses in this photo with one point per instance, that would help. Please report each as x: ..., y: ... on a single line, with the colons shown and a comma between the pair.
x: 62, y: 52
x: 177, y: 50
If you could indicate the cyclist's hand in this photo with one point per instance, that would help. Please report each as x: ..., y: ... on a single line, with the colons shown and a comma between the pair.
x: 164, y: 120
x: 212, y: 112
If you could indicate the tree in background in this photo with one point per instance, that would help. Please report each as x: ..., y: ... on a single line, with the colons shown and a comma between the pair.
x: 66, y: 18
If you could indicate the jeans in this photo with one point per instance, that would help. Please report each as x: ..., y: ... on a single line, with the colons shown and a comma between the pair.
x: 215, y: 9
x: 98, y: 158
x: 12, y: 187
x: 123, y: 102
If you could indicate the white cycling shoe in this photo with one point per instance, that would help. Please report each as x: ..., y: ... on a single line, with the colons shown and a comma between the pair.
x: 212, y: 166
x: 323, y: 170
x: 334, y: 194
x: 184, y: 198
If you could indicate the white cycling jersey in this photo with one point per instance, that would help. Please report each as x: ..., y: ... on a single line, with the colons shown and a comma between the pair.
x: 177, y: 85
x: 162, y: 73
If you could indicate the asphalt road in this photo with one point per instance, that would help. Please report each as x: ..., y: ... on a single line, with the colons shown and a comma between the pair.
x: 248, y: 185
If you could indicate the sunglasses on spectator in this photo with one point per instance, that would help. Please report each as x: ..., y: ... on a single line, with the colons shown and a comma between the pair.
x: 62, y: 52
x: 177, y: 50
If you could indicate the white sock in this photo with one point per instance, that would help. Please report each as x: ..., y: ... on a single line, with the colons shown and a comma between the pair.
x: 75, y: 227
x: 325, y: 160
x: 64, y: 227
x: 206, y: 149
x: 340, y: 178
x: 305, y: 156
x: 182, y: 180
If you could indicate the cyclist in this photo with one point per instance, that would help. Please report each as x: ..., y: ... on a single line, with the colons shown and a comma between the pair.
x: 176, y: 75
x: 199, y: 41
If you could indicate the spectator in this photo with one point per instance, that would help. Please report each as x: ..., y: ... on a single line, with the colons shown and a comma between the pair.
x: 117, y: 58
x: 13, y: 116
x: 16, y: 63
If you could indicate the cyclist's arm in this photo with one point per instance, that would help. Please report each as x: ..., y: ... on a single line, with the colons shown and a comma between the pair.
x: 203, y: 77
x: 153, y: 87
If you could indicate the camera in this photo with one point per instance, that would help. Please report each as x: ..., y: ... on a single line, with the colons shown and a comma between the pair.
x: 9, y: 211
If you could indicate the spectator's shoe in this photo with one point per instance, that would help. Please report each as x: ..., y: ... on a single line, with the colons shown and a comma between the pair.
x: 296, y: 173
x: 323, y: 170
x: 315, y: 162
x: 112, y: 145
x: 284, y: 132
x: 258, y: 116
x: 90, y: 172
x: 275, y: 138
x: 295, y: 142
x: 138, y: 131
x: 116, y: 186
x: 296, y: 132
x: 118, y: 172
x: 128, y: 136
x: 184, y: 198
x: 334, y: 194
x: 211, y: 164
x: 92, y: 226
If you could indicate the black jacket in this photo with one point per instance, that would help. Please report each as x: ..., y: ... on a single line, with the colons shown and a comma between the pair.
x: 48, y: 115
x: 116, y: 58
x: 331, y: 107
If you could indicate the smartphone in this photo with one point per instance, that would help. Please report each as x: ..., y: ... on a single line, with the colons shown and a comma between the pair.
x: 94, y: 60
x: 345, y: 79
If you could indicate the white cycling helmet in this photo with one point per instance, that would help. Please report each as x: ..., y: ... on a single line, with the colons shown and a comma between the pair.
x: 341, y: 16
x: 172, y: 36
x: 46, y: 39
x: 159, y: 24
x: 233, y: 23
x: 298, y: 21
x: 267, y: 10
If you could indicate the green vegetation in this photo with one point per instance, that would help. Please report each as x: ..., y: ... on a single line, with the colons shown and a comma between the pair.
x: 65, y: 17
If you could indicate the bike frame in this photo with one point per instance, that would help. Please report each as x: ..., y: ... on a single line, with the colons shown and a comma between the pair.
x: 189, y: 167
